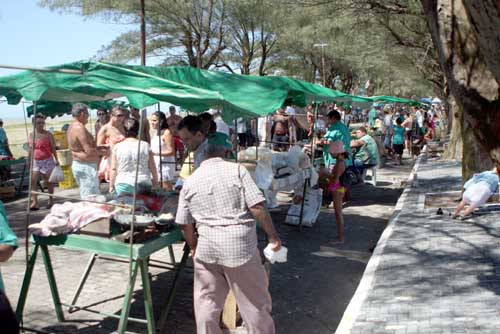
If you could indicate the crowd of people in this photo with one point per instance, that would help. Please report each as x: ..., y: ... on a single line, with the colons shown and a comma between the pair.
x: 219, y: 203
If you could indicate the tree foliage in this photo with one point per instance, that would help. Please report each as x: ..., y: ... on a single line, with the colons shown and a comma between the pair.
x: 384, y: 41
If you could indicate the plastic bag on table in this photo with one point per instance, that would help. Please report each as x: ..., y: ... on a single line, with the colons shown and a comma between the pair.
x: 314, y: 177
x: 264, y: 174
x: 57, y: 175
x: 312, y: 206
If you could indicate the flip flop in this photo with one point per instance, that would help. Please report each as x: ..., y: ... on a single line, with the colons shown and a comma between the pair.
x: 35, y: 208
x: 335, y: 242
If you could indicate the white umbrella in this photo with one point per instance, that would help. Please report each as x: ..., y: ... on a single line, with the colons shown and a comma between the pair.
x: 436, y: 100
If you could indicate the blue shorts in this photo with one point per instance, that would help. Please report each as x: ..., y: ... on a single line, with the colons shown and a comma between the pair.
x: 85, y: 174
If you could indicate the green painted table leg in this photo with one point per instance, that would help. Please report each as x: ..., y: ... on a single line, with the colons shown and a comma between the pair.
x: 52, y: 283
x: 148, y: 301
x: 171, y: 293
x: 122, y: 326
x: 85, y: 275
x: 26, y: 284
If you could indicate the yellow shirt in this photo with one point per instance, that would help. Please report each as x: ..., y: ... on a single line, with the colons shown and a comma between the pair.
x: 187, y: 166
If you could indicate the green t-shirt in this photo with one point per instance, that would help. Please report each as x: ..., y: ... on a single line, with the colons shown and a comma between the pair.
x: 398, y: 137
x: 368, y: 153
x: 337, y: 131
x: 371, y: 117
x: 7, y: 237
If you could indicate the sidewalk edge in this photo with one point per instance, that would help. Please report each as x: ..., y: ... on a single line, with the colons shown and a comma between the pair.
x: 365, y: 285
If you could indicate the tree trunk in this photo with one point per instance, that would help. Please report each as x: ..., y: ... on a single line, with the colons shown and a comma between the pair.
x: 475, y: 157
x: 459, y: 37
x: 455, y: 145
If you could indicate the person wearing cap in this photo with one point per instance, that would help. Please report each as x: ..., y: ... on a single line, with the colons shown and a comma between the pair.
x: 224, y: 202
x: 336, y: 188
x: 218, y: 138
x: 4, y: 143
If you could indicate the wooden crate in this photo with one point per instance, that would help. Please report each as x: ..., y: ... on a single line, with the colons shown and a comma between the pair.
x: 65, y: 157
x: 69, y: 181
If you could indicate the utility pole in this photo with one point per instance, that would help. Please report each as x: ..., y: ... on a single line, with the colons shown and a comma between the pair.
x: 322, y: 46
x: 143, y: 34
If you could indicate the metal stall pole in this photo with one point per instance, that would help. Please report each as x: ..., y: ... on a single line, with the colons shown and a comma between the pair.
x: 159, y: 144
x: 313, y: 148
x: 30, y: 184
x: 132, y: 266
x: 236, y: 139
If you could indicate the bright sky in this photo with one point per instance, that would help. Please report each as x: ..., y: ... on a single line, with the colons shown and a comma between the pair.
x: 35, y: 36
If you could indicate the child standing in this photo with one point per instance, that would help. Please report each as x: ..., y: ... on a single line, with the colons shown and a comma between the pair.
x: 336, y: 188
x: 398, y: 140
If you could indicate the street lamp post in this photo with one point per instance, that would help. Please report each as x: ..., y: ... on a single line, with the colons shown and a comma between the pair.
x: 322, y: 46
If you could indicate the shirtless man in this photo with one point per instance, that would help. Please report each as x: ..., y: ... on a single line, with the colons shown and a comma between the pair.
x: 85, y: 153
x: 110, y: 134
x: 173, y: 120
x: 135, y: 114
x: 281, y: 131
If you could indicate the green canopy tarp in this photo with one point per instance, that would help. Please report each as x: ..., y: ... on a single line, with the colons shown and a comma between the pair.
x: 251, y: 93
x: 190, y: 88
x: 393, y: 99
x: 55, y: 109
x: 101, y: 82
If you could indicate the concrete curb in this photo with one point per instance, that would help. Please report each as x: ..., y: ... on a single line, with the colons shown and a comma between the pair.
x: 366, y: 283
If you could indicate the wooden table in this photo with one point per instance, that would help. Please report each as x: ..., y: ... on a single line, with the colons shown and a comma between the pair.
x: 115, y: 249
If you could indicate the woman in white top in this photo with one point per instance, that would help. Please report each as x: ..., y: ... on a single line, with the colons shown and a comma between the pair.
x: 163, y: 148
x: 124, y: 162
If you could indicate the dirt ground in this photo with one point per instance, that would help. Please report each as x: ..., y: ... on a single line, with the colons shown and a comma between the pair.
x: 310, y: 292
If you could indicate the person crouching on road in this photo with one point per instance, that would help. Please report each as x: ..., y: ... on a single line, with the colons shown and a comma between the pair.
x: 224, y: 202
x: 478, y: 190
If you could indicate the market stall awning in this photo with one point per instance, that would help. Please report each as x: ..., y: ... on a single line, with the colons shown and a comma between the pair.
x: 101, y: 82
x: 190, y: 88
x: 244, y: 92
x: 393, y: 99
x: 56, y: 109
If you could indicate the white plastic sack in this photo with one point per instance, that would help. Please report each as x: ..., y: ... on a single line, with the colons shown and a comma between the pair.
x: 279, y: 256
x: 312, y: 206
x: 57, y: 175
x: 264, y: 174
